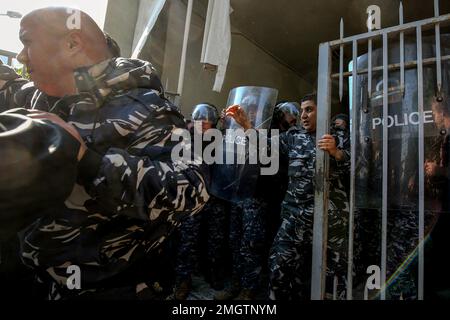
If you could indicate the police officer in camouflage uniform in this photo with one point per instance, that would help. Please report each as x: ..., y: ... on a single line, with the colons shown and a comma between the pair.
x: 204, y: 117
x: 246, y: 229
x: 339, y: 127
x: 248, y: 218
x: 290, y: 259
x: 130, y: 195
x: 285, y: 115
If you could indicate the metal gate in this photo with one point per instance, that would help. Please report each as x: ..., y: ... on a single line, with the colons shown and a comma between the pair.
x: 384, y: 96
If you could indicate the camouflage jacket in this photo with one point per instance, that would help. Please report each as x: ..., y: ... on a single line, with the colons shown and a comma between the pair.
x: 299, y: 147
x: 130, y: 195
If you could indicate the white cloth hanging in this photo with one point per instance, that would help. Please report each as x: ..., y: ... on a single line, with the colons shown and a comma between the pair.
x: 149, y: 11
x: 217, y: 39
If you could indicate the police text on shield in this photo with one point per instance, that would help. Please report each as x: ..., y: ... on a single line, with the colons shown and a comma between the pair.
x: 236, y: 147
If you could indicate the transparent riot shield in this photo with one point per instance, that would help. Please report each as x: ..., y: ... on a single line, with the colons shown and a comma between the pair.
x: 236, y: 178
x: 404, y: 118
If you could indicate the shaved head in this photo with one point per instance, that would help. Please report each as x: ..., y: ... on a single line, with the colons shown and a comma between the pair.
x: 59, y: 21
x: 57, y: 40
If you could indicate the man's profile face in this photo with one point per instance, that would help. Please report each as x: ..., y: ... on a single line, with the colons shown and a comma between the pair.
x: 309, y: 115
x: 202, y: 125
x: 289, y: 120
x: 252, y: 114
x: 44, y: 56
x: 206, y: 125
x: 340, y: 123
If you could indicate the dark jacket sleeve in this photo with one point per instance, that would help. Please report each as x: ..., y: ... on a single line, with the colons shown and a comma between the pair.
x: 10, y: 84
x: 142, y: 181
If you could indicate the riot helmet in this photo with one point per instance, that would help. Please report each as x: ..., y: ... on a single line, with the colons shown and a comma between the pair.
x: 206, y: 113
x: 286, y: 115
x: 340, y: 122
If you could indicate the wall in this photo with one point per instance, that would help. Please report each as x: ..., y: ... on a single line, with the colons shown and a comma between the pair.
x: 120, y: 22
x: 248, y: 64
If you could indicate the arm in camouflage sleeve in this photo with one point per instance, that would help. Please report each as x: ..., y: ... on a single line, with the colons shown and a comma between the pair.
x: 343, y: 144
x: 134, y: 183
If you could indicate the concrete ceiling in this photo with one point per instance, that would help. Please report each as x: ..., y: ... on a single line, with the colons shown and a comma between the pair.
x: 292, y: 30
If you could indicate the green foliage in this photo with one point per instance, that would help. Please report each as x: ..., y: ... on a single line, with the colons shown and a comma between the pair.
x: 22, y: 72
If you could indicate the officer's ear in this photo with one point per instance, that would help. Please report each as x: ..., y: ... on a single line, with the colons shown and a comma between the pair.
x: 74, y: 43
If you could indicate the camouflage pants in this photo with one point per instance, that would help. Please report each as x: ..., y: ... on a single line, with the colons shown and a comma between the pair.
x: 247, y: 234
x: 291, y: 253
x: 402, y: 239
x: 214, y: 218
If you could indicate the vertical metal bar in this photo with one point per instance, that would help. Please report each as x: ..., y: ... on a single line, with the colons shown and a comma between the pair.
x: 421, y: 162
x: 335, y: 287
x: 402, y: 51
x: 438, y: 50
x: 369, y: 69
x: 366, y: 293
x: 187, y: 28
x: 320, y: 228
x: 352, y: 174
x: 341, y: 62
x: 385, y: 168
x: 438, y: 59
